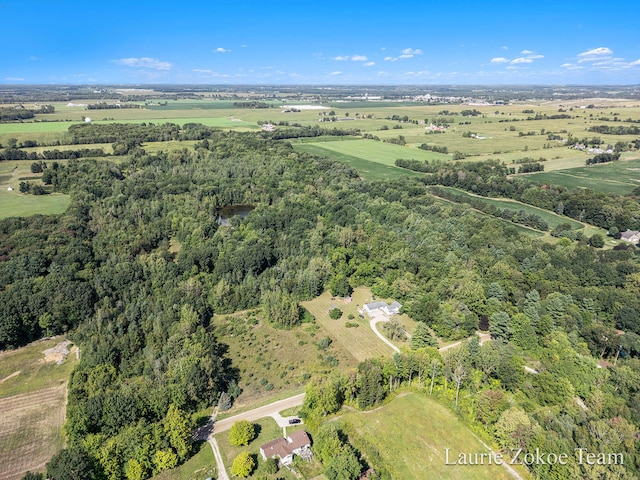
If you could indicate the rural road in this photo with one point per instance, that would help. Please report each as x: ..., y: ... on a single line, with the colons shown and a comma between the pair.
x: 222, y: 472
x: 270, y: 410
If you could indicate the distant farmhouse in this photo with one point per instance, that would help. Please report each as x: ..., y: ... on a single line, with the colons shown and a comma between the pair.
x: 296, y: 443
x: 631, y: 236
x: 383, y: 307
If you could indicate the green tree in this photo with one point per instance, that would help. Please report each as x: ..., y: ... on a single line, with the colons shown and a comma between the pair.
x: 70, y: 464
x: 243, y: 465
x: 335, y: 313
x: 133, y: 470
x: 422, y: 337
x: 499, y: 326
x: 513, y: 429
x: 343, y: 464
x: 164, y: 460
x: 596, y: 241
x: 242, y: 433
x: 177, y: 428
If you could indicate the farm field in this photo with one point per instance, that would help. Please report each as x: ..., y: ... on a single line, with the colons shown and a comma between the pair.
x: 32, y: 407
x: 619, y: 177
x: 411, y: 433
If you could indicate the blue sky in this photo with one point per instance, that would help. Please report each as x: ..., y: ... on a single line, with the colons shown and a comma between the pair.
x: 321, y: 42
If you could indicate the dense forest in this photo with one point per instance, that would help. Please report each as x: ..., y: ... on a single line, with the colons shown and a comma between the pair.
x: 138, y: 268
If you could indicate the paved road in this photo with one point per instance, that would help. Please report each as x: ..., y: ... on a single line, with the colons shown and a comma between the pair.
x: 270, y: 410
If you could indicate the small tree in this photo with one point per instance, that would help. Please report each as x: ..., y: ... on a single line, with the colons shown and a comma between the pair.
x: 242, y: 433
x: 596, y: 241
x: 271, y: 466
x: 422, y: 337
x: 335, y: 313
x: 243, y: 465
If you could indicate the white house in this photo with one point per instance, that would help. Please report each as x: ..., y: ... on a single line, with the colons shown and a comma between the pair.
x: 296, y: 443
x: 632, y: 236
x: 384, y: 307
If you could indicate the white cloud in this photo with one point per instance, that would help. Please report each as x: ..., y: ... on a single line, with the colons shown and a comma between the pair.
x: 518, y: 60
x: 221, y: 50
x: 337, y: 72
x: 535, y: 57
x: 354, y: 58
x: 637, y: 62
x: 390, y: 59
x: 594, y: 52
x: 504, y: 47
x: 526, y: 52
x: 202, y: 70
x: 14, y: 79
x: 411, y: 51
x: 369, y: 64
x: 499, y: 60
x: 144, y: 62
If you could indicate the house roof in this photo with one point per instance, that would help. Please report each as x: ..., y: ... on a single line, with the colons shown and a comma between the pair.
x: 629, y: 234
x: 375, y: 305
x: 283, y: 447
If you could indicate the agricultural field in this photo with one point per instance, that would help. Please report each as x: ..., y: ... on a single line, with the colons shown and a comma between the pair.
x: 620, y: 177
x: 413, y: 426
x: 33, y: 392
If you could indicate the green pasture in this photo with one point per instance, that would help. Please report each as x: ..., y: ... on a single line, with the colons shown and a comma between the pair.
x: 369, y: 170
x: 619, y: 177
x: 411, y: 433
x: 551, y: 218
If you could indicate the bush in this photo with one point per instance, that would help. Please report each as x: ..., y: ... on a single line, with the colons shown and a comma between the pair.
x: 335, y: 313
x: 243, y: 465
x: 241, y: 433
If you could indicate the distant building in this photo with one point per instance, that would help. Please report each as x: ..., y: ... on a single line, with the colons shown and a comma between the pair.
x: 632, y: 236
x: 384, y: 307
x: 296, y: 443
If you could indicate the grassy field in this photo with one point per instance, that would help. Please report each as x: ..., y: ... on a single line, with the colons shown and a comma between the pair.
x: 411, y: 433
x: 199, y: 467
x: 619, y: 177
x: 267, y: 430
x: 360, y: 342
x: 551, y: 218
x: 274, y: 362
x: 16, y: 204
x: 32, y: 408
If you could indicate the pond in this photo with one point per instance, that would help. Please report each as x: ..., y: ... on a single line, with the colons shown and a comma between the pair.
x: 225, y: 213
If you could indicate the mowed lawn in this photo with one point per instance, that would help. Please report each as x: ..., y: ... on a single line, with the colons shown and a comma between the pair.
x: 200, y: 466
x: 359, y: 341
x: 33, y: 396
x: 411, y: 434
x: 619, y: 177
x: 16, y: 204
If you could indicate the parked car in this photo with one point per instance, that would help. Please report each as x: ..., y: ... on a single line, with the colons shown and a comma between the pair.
x: 294, y: 421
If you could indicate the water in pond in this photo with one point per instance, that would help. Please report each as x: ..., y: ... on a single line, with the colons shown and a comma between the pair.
x: 226, y: 213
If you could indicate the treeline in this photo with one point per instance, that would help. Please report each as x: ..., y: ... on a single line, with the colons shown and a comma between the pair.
x: 18, y: 114
x: 111, y: 106
x: 254, y: 104
x: 615, y: 130
x: 516, y: 216
x: 18, y: 154
x: 434, y: 148
x: 308, y: 131
x: 489, y: 179
x: 602, y: 158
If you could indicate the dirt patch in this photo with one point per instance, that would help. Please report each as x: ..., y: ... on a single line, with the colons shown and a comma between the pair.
x: 57, y: 354
x: 30, y: 430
